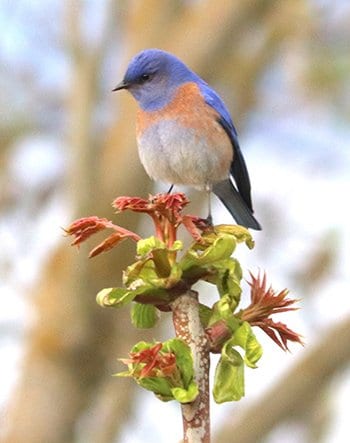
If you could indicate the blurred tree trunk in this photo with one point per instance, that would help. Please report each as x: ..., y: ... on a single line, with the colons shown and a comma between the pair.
x: 73, y: 341
x: 72, y: 348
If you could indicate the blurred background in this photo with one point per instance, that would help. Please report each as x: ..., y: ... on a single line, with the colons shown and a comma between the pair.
x: 67, y: 148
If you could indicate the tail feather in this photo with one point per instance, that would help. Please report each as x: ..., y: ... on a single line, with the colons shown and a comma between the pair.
x: 230, y: 197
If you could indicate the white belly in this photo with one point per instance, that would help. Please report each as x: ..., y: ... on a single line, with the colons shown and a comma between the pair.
x: 177, y: 155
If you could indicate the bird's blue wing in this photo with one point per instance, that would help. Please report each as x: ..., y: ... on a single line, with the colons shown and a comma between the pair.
x: 214, y: 100
x: 238, y: 167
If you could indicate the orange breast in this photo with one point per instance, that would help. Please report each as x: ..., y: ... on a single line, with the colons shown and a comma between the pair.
x: 189, y: 108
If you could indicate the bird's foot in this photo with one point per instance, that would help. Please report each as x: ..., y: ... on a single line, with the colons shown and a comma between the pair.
x: 209, y: 220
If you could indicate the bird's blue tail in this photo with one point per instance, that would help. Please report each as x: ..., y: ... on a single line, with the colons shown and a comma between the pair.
x: 230, y: 197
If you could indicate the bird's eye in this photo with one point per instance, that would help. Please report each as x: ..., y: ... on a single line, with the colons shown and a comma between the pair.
x: 144, y: 77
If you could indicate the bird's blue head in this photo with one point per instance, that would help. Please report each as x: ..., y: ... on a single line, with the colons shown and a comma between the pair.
x: 153, y: 76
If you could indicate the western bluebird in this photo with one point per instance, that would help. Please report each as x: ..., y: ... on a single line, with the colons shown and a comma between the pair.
x: 185, y: 134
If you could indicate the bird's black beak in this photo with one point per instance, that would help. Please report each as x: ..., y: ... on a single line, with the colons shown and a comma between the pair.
x: 121, y: 85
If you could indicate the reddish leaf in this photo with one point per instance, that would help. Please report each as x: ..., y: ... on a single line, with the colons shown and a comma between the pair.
x: 153, y: 362
x: 109, y: 243
x: 195, y: 226
x: 264, y: 303
x: 135, y: 204
x: 84, y: 227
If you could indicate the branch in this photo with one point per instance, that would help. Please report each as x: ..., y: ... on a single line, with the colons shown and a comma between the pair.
x: 195, y: 416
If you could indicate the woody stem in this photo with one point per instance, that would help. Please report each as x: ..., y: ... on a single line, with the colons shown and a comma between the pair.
x: 195, y: 415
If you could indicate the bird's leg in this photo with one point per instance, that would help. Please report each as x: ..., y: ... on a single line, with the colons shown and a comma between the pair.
x: 209, y: 219
x: 170, y: 189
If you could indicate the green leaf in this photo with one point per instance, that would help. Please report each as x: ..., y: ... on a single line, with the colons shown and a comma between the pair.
x: 240, y: 233
x: 148, y: 276
x: 245, y: 338
x: 229, y: 376
x: 177, y: 246
x: 162, y: 265
x: 221, y: 310
x: 159, y: 385
x: 171, y: 280
x: 227, y: 278
x: 146, y: 245
x: 186, y: 395
x: 115, y: 297
x: 226, y: 275
x: 205, y: 314
x: 184, y: 359
x: 122, y: 374
x: 143, y: 316
x: 222, y: 247
x: 141, y: 346
x: 141, y: 292
x: 144, y: 285
x: 157, y: 251
x: 133, y: 271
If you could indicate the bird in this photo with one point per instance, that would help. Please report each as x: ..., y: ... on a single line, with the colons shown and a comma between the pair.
x: 185, y: 134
